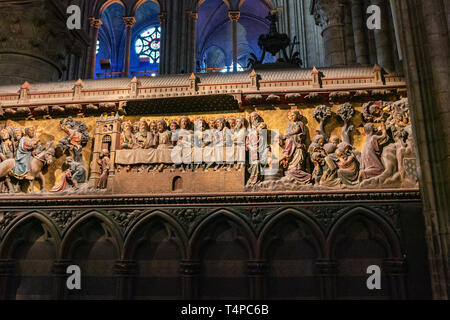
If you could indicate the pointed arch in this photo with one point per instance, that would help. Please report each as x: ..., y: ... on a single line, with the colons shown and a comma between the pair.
x: 7, y: 246
x: 106, y: 4
x: 393, y: 247
x: 151, y: 218
x: 200, y: 2
x: 316, y: 231
x: 246, y: 231
x: 69, y: 242
x: 141, y: 2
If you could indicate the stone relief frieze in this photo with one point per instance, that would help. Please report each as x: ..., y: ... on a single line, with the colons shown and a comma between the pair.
x: 350, y: 147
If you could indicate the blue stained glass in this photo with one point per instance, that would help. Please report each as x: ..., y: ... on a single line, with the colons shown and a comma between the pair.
x: 148, y: 44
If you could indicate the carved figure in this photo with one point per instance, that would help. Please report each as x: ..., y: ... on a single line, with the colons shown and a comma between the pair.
x: 74, y: 176
x: 258, y: 149
x: 104, y: 163
x: 371, y: 165
x: 348, y: 171
x: 293, y: 155
x: 126, y: 137
x: 29, y: 145
x: 142, y: 138
x: 77, y: 137
x: 35, y: 165
x: 239, y: 136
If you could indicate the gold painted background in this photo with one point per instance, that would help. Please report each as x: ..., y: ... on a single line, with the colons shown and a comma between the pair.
x: 275, y: 117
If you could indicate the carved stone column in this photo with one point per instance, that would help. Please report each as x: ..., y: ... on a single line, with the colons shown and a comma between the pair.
x: 424, y: 37
x: 6, y: 276
x: 59, y: 273
x: 190, y: 270
x: 329, y: 14
x: 361, y: 49
x: 350, y: 54
x: 35, y: 42
x: 234, y: 17
x: 383, y: 41
x: 125, y: 271
x: 129, y: 23
x: 193, y: 44
x: 396, y: 272
x: 163, y: 49
x: 95, y: 27
x: 327, y: 271
x: 257, y: 271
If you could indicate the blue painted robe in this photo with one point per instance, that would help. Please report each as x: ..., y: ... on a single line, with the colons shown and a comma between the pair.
x: 23, y: 156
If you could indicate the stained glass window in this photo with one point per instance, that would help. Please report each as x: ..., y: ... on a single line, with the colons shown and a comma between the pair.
x: 148, y: 44
x: 98, y: 47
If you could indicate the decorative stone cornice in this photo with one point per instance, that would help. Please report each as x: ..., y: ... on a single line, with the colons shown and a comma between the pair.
x: 206, y: 86
x: 129, y: 21
x: 328, y: 12
x: 248, y: 198
x: 234, y: 15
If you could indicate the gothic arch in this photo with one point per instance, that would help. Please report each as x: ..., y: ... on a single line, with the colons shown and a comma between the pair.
x: 10, y: 240
x: 392, y: 245
x: 291, y: 243
x: 141, y: 2
x: 131, y: 242
x: 68, y: 243
x: 264, y: 242
x: 32, y: 237
x: 247, y: 237
x: 200, y: 2
x: 267, y: 3
x: 223, y: 244
x: 105, y: 5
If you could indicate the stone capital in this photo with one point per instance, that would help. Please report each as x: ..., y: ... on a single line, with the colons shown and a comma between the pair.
x: 234, y: 15
x: 96, y: 22
x: 193, y: 16
x: 162, y: 17
x: 328, y: 12
x: 129, y: 21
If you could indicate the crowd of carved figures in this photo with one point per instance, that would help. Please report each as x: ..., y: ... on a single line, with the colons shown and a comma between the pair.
x: 23, y: 156
x: 238, y: 143
x: 272, y: 160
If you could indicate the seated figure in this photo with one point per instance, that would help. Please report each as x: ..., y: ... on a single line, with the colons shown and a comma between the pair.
x: 142, y: 138
x: 348, y: 171
x: 126, y: 136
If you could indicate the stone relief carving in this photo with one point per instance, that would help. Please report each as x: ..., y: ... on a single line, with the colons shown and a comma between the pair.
x: 265, y: 159
x: 22, y: 159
